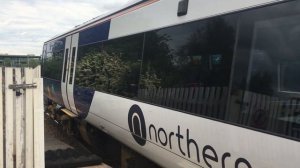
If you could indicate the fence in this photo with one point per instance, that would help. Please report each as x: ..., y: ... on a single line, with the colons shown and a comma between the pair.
x: 21, y: 118
x: 208, y: 101
x: 277, y: 113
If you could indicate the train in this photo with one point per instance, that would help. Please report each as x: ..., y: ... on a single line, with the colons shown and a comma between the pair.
x: 184, y: 83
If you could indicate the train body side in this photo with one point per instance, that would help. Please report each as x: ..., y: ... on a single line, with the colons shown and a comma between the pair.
x: 201, y: 90
x: 116, y: 25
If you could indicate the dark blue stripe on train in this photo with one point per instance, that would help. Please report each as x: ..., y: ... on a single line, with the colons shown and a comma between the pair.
x: 82, y: 96
x: 94, y: 34
x: 83, y: 99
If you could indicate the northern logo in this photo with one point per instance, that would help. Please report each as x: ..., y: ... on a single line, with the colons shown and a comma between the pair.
x: 179, y: 139
x: 137, y: 124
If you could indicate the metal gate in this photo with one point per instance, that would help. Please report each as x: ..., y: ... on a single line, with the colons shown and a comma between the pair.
x: 21, y: 118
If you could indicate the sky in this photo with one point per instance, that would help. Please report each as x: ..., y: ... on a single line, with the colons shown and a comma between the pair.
x: 26, y: 24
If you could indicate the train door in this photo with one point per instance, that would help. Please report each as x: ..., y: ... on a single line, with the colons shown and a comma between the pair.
x: 68, y: 73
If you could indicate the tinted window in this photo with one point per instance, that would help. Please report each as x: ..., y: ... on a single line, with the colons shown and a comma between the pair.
x: 53, y: 59
x: 72, y: 65
x: 85, y: 66
x: 85, y: 75
x: 59, y: 45
x: 289, y: 80
x: 123, y: 62
x: 113, y: 67
x: 266, y: 85
x: 188, y: 66
x: 94, y: 34
x: 53, y: 65
x: 65, y: 64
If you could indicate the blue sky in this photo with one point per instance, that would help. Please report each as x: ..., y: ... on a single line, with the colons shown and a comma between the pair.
x: 26, y: 24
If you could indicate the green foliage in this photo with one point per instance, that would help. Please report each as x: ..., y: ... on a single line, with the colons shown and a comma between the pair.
x: 101, y: 71
x: 20, y: 62
x: 157, y: 63
x: 52, y: 67
x: 33, y: 63
x: 150, y: 80
x: 7, y: 62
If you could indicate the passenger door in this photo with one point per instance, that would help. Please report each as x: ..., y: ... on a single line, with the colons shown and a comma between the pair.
x: 68, y: 73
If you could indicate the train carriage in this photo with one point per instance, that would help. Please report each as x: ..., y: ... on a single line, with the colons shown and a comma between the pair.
x: 187, y: 83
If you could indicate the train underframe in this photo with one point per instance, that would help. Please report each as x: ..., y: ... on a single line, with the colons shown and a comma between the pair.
x: 113, y: 152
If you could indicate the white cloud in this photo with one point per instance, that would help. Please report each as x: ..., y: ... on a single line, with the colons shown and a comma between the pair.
x: 26, y: 24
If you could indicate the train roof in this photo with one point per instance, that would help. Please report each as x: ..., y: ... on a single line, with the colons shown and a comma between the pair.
x: 165, y: 15
x: 102, y: 18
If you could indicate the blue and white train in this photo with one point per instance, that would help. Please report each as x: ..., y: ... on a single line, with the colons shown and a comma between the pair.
x: 187, y: 83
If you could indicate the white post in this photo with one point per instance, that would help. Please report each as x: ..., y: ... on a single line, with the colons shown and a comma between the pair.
x: 19, y: 113
x: 9, y: 128
x: 1, y: 121
x: 38, y: 117
x: 29, y: 119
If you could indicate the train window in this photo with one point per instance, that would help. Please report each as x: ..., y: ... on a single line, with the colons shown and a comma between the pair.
x: 187, y: 67
x: 83, y: 51
x: 53, y: 59
x: 53, y: 65
x: 85, y: 69
x: 113, y: 67
x: 85, y: 74
x: 123, y: 65
x: 72, y: 65
x: 59, y: 45
x: 94, y: 34
x: 65, y: 64
x: 289, y: 80
x: 266, y: 83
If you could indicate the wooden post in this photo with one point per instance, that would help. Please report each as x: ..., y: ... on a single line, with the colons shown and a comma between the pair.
x: 1, y: 121
x: 9, y: 119
x: 29, y: 119
x: 19, y: 121
x: 38, y: 117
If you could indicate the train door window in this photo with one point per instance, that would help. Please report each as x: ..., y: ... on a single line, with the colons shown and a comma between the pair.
x: 187, y: 67
x: 53, y: 60
x: 65, y: 64
x: 266, y: 86
x: 72, y: 65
